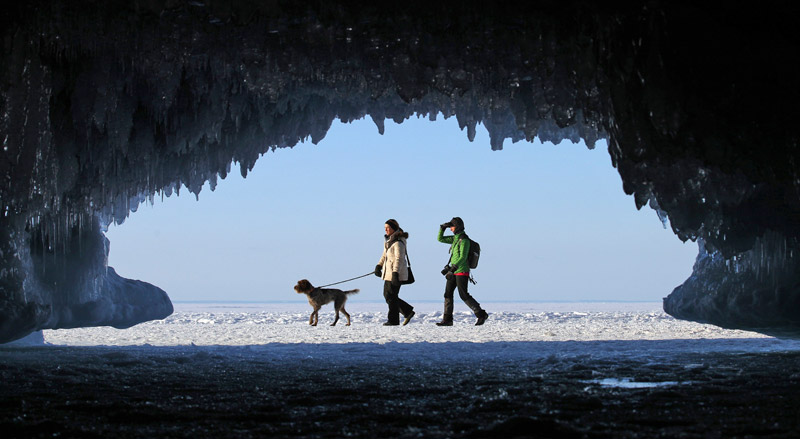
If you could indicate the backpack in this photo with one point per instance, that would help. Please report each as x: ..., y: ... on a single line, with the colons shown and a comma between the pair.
x: 474, y: 253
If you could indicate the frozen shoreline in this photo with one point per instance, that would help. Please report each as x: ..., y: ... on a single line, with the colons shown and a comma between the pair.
x: 253, y: 324
x: 568, y: 370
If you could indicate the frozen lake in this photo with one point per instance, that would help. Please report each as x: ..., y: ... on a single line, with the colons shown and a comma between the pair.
x: 560, y: 370
x: 254, y: 324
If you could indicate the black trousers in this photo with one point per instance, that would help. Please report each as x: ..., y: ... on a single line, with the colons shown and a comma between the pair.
x: 462, y: 282
x: 396, y: 305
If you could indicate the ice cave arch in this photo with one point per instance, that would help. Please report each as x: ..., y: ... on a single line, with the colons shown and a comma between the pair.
x: 106, y: 104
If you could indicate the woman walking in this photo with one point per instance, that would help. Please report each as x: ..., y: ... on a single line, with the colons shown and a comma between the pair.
x: 394, y: 268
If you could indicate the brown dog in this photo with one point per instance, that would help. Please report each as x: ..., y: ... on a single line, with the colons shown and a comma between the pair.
x: 320, y: 296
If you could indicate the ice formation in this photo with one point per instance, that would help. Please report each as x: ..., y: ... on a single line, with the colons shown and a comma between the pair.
x: 105, y: 105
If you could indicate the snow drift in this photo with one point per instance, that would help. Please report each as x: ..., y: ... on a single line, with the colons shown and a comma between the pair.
x: 105, y: 105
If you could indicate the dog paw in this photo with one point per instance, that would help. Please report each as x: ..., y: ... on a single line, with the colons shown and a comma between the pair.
x: 347, y: 324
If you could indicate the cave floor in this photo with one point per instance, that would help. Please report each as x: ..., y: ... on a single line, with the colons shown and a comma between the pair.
x: 215, y: 392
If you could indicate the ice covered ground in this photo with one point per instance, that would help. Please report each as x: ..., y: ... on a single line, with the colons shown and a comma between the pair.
x: 287, y: 323
x: 566, y: 370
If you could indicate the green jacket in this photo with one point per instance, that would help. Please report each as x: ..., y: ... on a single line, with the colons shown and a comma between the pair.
x: 459, y: 250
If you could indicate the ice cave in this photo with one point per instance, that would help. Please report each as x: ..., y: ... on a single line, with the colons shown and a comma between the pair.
x: 107, y: 104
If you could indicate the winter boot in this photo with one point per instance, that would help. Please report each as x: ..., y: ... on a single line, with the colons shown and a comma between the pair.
x: 447, y: 320
x: 482, y: 316
x: 408, y: 318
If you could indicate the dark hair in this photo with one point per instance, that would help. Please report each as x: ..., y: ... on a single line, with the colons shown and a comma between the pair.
x: 393, y: 224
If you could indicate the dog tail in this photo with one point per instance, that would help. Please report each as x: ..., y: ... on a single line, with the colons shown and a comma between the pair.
x: 352, y: 291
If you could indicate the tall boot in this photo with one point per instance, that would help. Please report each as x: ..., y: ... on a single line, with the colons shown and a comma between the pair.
x: 447, y: 320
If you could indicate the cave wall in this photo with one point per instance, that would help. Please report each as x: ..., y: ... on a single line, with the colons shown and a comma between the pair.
x: 107, y: 104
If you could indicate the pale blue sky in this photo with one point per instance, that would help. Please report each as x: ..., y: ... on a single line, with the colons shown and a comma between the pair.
x: 552, y: 221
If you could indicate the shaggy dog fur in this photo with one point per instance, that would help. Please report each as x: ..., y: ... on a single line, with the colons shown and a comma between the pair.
x: 320, y: 296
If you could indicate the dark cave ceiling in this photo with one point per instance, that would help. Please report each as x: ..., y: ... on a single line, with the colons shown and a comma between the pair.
x: 107, y: 103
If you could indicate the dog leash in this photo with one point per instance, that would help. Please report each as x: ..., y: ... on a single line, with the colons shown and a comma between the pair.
x: 348, y: 280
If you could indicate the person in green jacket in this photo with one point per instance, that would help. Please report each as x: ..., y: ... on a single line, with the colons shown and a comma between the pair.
x: 457, y: 272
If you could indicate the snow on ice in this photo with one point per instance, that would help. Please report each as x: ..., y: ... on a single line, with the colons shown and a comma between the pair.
x: 287, y: 323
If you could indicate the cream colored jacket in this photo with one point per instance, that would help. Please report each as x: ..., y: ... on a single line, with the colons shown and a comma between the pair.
x: 393, y: 258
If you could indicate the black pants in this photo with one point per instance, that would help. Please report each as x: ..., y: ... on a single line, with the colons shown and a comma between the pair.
x: 462, y: 282
x: 396, y: 305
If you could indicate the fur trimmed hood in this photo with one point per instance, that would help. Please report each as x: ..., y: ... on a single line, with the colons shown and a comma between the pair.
x: 396, y: 236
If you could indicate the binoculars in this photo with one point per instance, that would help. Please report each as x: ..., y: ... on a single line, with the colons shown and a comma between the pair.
x: 446, y: 270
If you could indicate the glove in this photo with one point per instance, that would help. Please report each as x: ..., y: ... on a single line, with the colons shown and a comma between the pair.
x: 445, y: 225
x: 449, y: 275
x: 378, y: 269
x: 395, y: 279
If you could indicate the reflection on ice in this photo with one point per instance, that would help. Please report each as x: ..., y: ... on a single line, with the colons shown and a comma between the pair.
x: 628, y: 383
